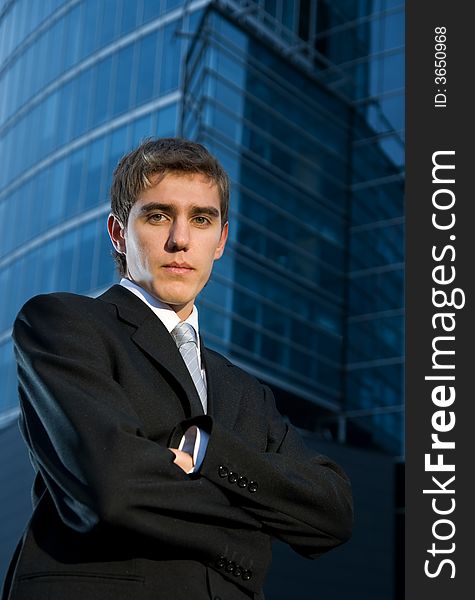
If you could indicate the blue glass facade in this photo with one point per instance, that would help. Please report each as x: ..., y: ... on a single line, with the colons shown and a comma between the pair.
x: 73, y: 108
x: 284, y: 269
x: 314, y: 271
x: 302, y: 102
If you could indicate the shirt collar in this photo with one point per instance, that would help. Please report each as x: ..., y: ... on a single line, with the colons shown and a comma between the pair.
x: 164, y: 312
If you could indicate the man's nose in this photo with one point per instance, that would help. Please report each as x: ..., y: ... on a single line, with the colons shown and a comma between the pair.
x: 179, y: 235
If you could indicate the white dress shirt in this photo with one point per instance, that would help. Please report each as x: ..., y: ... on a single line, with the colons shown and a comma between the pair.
x: 195, y: 440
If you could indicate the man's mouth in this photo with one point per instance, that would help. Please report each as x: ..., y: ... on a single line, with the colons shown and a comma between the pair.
x: 179, y: 268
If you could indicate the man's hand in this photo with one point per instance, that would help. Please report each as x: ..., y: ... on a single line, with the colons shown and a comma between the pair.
x: 183, y: 459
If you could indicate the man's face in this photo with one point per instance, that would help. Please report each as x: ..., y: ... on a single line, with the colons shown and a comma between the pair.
x: 172, y: 238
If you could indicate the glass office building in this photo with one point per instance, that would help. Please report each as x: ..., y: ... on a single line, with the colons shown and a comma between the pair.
x: 311, y: 289
x: 302, y: 101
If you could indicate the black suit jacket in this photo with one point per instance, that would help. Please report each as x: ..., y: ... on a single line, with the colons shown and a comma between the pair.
x: 104, y: 393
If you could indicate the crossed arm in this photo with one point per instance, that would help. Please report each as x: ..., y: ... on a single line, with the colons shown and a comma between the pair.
x: 98, y: 465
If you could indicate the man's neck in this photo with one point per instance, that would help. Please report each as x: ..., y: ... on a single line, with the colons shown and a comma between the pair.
x: 182, y: 311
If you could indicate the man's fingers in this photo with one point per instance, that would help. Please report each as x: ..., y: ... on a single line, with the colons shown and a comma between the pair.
x: 183, y: 459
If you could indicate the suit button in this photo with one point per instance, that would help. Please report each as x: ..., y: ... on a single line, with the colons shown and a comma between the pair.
x: 217, y: 598
x: 230, y: 567
x: 221, y: 562
x: 246, y: 575
x: 223, y: 471
x: 252, y: 486
x: 242, y: 482
x: 237, y: 571
x: 233, y: 477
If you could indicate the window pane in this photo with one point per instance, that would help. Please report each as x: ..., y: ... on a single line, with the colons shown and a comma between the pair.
x: 66, y: 264
x: 85, y: 259
x: 107, y: 22
x: 106, y: 272
x: 151, y: 9
x: 56, y: 200
x: 118, y: 147
x: 141, y: 129
x: 147, y: 68
x: 82, y: 93
x: 128, y: 18
x: 55, y: 49
x: 101, y: 109
x: 170, y: 66
x: 167, y: 121
x: 93, y: 194
x: 71, y: 35
x: 49, y: 258
x: 123, y: 80
x: 74, y: 182
x: 88, y: 27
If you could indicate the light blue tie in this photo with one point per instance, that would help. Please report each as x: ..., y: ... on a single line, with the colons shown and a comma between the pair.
x: 184, y: 335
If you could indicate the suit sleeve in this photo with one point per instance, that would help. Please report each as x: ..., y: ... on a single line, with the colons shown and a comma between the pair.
x: 300, y: 497
x: 89, y: 446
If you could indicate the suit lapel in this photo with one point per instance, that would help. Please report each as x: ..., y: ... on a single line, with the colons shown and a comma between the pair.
x: 152, y: 337
x: 224, y: 391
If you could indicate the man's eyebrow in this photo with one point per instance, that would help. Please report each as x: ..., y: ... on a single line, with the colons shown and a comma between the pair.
x: 205, y: 210
x: 168, y: 208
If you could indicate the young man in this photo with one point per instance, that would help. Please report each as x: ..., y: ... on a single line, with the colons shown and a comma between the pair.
x: 163, y: 471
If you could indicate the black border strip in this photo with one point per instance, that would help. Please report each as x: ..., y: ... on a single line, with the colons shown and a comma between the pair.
x: 440, y: 353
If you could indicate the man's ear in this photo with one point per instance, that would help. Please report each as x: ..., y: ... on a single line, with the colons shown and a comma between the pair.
x: 116, y: 233
x: 222, y: 241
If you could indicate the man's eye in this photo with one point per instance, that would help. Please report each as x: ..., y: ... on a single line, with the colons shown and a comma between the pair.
x: 201, y: 220
x: 156, y: 218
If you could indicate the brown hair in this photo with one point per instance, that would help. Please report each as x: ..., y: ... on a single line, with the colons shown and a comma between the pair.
x: 159, y: 157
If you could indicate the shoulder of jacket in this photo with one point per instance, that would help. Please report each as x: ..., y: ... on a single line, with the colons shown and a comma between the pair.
x: 59, y: 304
x: 55, y: 298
